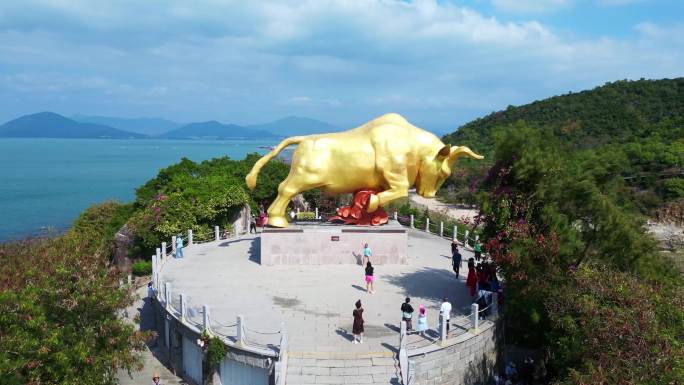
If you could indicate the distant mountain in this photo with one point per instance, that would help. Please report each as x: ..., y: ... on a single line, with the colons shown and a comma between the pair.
x: 146, y: 126
x: 215, y: 130
x: 51, y: 125
x: 295, y: 125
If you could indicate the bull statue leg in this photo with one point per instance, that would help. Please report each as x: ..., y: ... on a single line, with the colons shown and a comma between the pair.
x: 399, y: 185
x: 291, y: 186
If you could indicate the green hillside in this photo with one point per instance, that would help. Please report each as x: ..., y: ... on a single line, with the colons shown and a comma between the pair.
x: 619, y: 112
x: 634, y: 129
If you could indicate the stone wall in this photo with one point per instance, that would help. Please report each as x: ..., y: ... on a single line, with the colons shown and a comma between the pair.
x: 467, y: 359
x: 321, y: 244
x: 174, y: 355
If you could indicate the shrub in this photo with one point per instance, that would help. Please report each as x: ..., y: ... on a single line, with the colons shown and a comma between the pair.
x: 674, y: 188
x: 216, y: 350
x: 306, y: 215
x: 59, y: 301
x: 142, y: 268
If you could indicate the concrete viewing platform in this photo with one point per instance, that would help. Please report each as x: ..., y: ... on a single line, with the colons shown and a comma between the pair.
x: 315, y: 302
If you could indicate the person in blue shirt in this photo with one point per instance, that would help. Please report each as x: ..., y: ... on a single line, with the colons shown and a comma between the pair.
x: 366, y: 254
x: 179, y: 247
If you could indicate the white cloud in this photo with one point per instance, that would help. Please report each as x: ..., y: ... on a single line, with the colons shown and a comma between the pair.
x: 334, y: 59
x: 533, y: 6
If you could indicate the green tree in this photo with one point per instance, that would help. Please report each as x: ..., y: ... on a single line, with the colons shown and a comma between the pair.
x: 547, y: 212
x: 59, y: 301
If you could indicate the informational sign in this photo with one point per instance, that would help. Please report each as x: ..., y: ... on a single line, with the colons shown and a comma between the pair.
x: 335, y: 238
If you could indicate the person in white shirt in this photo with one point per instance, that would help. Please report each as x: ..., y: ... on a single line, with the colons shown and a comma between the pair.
x: 445, y: 312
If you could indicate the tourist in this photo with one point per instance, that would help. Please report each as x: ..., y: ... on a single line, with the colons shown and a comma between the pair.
x: 422, y: 325
x: 252, y: 224
x: 527, y: 371
x: 445, y: 312
x: 471, y: 280
x: 369, y: 278
x: 471, y: 262
x: 357, y: 327
x: 407, y: 313
x: 493, y: 279
x: 366, y: 254
x: 179, y: 246
x: 511, y: 372
x: 454, y: 246
x: 483, y: 277
x: 483, y: 303
x: 456, y: 261
x: 478, y: 250
x: 150, y: 291
x: 156, y: 380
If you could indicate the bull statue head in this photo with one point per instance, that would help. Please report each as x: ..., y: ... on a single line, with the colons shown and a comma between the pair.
x: 435, y: 169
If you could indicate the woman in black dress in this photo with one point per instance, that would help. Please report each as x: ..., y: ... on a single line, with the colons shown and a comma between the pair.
x: 357, y: 328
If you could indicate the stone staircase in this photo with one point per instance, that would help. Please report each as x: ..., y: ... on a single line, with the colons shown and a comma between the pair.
x: 342, y: 368
x: 152, y: 356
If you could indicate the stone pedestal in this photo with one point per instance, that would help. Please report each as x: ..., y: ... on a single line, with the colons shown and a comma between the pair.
x: 325, y: 244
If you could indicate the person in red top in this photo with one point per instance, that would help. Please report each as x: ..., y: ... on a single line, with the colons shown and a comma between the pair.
x: 471, y: 281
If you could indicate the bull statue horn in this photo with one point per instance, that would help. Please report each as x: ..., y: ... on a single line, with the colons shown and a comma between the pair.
x: 459, y: 151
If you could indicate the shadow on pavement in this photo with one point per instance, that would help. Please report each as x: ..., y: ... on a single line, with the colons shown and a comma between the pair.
x: 344, y: 333
x: 430, y: 283
x: 357, y: 287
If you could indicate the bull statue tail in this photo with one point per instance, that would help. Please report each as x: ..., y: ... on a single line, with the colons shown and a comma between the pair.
x: 251, y: 178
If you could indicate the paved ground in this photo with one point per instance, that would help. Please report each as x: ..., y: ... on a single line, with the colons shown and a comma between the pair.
x: 315, y: 303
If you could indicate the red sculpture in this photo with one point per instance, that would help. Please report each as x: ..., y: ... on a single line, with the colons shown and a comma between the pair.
x: 357, y: 213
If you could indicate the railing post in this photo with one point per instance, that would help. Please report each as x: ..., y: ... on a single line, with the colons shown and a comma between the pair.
x: 474, y: 316
x: 396, y: 216
x: 163, y: 250
x: 465, y: 238
x: 411, y: 220
x: 167, y: 295
x: 281, y: 365
x: 183, y: 308
x: 455, y: 237
x: 217, y: 234
x: 403, y: 354
x: 158, y: 252
x: 154, y: 280
x: 206, y: 322
x: 402, y: 335
x: 316, y: 216
x: 441, y: 229
x: 190, y: 241
x: 427, y: 225
x: 495, y: 304
x: 240, y: 330
x: 154, y: 264
x: 442, y: 328
x: 173, y: 246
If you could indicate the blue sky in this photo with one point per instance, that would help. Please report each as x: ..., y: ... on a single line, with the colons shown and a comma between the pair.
x: 439, y: 63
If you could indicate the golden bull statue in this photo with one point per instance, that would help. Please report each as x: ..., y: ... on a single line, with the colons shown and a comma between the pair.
x: 387, y: 154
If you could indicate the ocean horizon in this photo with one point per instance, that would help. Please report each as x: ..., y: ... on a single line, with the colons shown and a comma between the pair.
x: 47, y: 183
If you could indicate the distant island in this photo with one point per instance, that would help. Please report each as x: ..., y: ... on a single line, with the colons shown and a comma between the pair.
x: 52, y: 125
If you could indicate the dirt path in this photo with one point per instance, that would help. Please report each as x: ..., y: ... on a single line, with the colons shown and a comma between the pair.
x: 451, y: 210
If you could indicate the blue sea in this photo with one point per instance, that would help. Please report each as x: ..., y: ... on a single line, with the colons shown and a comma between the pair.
x: 46, y: 183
